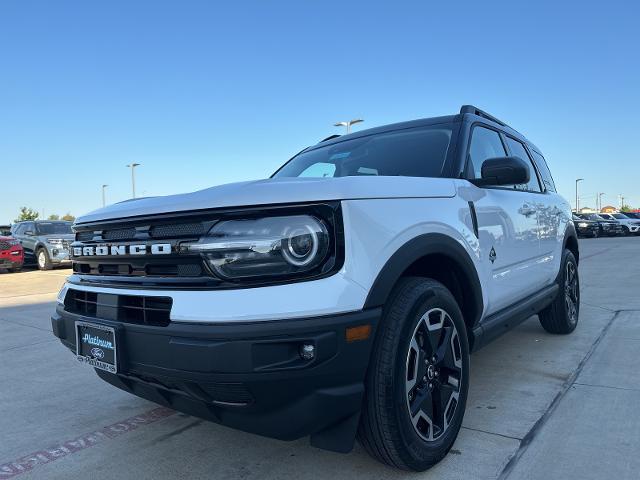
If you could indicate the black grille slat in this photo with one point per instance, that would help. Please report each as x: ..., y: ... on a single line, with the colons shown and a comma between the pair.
x: 177, y: 230
x: 120, y: 234
x: 135, y: 309
x: 4, y: 246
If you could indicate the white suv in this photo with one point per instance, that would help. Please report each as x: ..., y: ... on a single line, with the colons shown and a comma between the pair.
x: 631, y: 226
x: 338, y: 299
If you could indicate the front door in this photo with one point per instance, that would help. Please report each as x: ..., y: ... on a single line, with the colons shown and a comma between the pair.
x: 507, y: 228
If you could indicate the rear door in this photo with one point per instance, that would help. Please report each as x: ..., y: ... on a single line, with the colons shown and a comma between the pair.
x: 507, y: 227
x: 29, y: 241
x: 552, y: 219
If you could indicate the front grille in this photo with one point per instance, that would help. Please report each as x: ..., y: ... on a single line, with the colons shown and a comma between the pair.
x: 137, y: 309
x: 183, y: 267
x: 4, y: 246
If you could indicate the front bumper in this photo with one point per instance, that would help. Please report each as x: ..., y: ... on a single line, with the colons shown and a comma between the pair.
x: 248, y: 376
x: 588, y: 231
x: 59, y: 255
x: 11, y: 259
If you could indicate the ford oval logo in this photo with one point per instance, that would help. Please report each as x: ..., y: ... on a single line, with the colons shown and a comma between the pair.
x: 97, y: 353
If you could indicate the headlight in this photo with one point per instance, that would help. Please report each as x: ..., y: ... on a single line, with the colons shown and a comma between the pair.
x: 264, y: 247
x: 583, y: 225
x: 54, y: 241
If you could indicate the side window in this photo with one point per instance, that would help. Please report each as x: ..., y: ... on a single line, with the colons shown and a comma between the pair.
x: 518, y: 150
x: 485, y: 143
x: 547, y: 179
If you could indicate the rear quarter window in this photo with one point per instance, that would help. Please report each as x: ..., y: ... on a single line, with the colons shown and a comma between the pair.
x: 545, y: 174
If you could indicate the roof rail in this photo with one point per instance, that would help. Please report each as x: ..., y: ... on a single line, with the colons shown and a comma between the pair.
x: 330, y: 137
x: 481, y: 113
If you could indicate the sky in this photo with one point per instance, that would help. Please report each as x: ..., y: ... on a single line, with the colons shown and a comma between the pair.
x: 203, y: 93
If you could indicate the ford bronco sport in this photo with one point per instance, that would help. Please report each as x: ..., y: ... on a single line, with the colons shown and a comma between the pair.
x: 338, y: 299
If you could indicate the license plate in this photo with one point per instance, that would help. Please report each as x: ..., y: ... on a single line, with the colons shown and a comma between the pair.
x: 96, y: 346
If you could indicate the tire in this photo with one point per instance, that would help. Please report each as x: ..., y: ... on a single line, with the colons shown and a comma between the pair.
x: 403, y: 376
x: 42, y: 259
x: 561, y: 316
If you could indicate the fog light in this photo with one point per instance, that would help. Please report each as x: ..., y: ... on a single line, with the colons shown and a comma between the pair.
x: 307, y: 351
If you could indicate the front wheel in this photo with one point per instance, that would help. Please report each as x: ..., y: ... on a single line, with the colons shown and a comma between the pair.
x: 418, y: 378
x: 43, y: 260
x: 562, y: 315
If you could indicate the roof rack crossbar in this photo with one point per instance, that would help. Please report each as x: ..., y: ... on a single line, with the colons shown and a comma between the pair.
x: 481, y: 113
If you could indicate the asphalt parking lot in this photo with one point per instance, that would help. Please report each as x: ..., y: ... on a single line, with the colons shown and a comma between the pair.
x: 540, y: 406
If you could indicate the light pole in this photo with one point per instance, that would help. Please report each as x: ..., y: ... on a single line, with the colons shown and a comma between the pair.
x: 104, y: 203
x: 348, y: 124
x: 600, y: 202
x: 133, y: 177
x: 577, y: 198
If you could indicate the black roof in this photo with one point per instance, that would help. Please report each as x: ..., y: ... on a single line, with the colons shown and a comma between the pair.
x: 465, y: 110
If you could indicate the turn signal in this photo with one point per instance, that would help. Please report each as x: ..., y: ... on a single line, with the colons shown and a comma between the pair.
x: 355, y: 334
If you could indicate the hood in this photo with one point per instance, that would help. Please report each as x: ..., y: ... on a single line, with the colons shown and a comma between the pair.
x: 5, y: 238
x: 63, y: 236
x: 279, y: 191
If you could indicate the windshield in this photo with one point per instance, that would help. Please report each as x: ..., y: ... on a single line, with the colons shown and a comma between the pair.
x: 413, y: 152
x: 592, y: 216
x: 619, y: 215
x: 54, y: 228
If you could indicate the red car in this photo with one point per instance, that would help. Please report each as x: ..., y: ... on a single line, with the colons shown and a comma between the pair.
x: 11, y: 254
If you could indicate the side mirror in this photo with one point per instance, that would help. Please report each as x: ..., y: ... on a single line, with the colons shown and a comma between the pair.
x: 503, y: 171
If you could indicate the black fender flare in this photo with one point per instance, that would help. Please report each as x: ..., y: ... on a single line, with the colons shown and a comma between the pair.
x: 570, y: 236
x: 415, y: 249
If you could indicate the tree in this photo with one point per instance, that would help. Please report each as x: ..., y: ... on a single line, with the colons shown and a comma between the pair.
x: 27, y: 214
x: 54, y: 217
x: 625, y: 208
x: 68, y: 217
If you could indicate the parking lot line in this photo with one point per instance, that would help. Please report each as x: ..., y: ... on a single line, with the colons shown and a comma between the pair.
x: 68, y: 447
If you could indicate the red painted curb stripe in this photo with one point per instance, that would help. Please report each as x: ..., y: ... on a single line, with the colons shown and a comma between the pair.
x: 48, y: 455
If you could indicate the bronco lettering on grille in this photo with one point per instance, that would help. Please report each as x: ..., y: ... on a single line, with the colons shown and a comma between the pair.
x: 119, y: 250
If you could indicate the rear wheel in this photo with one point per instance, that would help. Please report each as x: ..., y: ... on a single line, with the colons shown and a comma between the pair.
x: 43, y: 260
x: 418, y: 378
x: 562, y: 315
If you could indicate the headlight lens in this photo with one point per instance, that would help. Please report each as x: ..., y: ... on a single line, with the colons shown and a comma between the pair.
x: 264, y: 247
x: 583, y: 225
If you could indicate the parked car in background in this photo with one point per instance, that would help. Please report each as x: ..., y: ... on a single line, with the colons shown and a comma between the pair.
x: 45, y: 243
x: 609, y: 228
x: 11, y: 253
x: 585, y: 228
x: 631, y: 226
x: 632, y: 215
x: 5, y: 230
